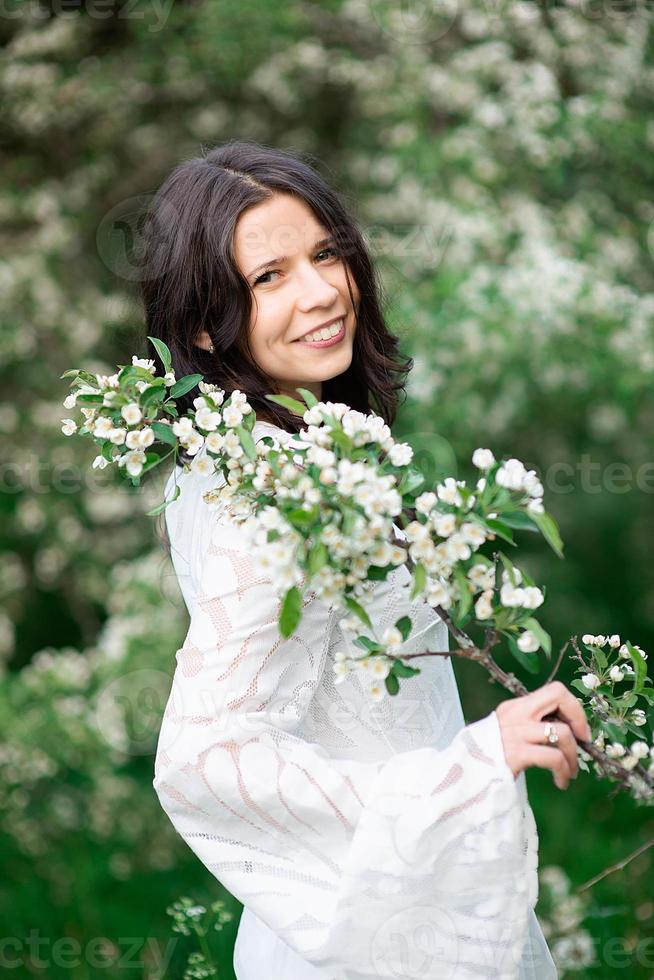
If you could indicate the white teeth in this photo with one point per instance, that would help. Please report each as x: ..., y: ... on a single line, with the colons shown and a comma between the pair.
x: 325, y: 333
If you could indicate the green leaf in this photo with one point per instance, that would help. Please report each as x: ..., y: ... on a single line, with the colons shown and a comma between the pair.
x: 499, y: 528
x: 185, y: 384
x: 580, y: 686
x: 519, y: 521
x: 91, y: 399
x: 508, y: 567
x: 412, y: 480
x: 530, y: 661
x: 162, y: 506
x: 151, y: 460
x: 541, y: 635
x: 419, y: 579
x: 317, y: 557
x: 299, y: 516
x: 404, y: 670
x: 247, y: 442
x: 342, y: 441
x: 128, y: 372
x: 379, y: 573
x: 155, y: 393
x: 614, y: 732
x: 392, y: 684
x: 366, y: 643
x: 164, y: 433
x: 465, y: 601
x: 600, y: 658
x: 163, y: 352
x: 308, y: 396
x: 640, y: 668
x: 107, y: 450
x: 359, y: 611
x: 90, y: 379
x: 404, y: 625
x: 292, y: 404
x: 291, y: 611
x: 550, y: 531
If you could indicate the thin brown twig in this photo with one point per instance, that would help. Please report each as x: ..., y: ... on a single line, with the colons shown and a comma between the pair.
x: 555, y: 668
x: 617, y: 866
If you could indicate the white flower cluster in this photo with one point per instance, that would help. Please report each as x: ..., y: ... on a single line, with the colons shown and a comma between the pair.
x: 615, y: 643
x: 528, y: 597
x: 367, y: 539
x: 513, y: 475
x: 201, y: 432
x: 374, y: 667
x: 629, y: 755
x: 132, y: 435
x: 458, y: 544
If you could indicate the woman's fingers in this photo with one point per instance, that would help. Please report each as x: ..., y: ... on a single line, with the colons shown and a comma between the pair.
x: 549, y: 757
x: 557, y: 697
x: 566, y: 744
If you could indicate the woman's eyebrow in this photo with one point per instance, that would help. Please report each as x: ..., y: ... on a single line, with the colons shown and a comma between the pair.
x: 284, y: 258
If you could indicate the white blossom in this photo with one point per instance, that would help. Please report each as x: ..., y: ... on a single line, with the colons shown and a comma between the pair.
x: 142, y: 362
x: 426, y: 502
x: 528, y: 642
x: 133, y: 461
x: 444, y: 524
x: 102, y: 427
x: 448, y: 491
x: 183, y: 427
x: 400, y: 454
x: 590, y: 681
x: 207, y: 419
x: 203, y: 465
x: 511, y: 475
x: 117, y: 436
x: 131, y: 413
x: 483, y: 459
x: 391, y: 637
x: 483, y: 607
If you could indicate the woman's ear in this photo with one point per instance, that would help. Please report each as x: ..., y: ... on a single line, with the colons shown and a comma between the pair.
x: 203, y: 340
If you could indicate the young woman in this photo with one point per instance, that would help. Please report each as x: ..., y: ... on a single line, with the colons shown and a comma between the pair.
x: 364, y: 840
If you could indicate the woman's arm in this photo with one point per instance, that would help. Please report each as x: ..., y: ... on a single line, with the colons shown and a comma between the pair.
x: 409, y: 867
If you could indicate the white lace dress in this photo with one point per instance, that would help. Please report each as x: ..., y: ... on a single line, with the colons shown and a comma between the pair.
x: 366, y: 840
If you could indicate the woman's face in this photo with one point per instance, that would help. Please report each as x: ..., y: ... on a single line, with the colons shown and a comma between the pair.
x: 298, y: 284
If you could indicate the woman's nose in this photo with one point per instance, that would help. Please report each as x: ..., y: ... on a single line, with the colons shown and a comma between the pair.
x: 314, y: 289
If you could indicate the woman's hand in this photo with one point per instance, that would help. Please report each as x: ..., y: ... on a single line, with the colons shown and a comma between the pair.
x: 523, y: 730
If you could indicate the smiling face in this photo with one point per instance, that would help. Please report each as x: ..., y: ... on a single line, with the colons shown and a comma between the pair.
x: 298, y: 283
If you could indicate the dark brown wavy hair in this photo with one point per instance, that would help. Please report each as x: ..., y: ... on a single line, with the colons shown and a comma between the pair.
x: 191, y: 281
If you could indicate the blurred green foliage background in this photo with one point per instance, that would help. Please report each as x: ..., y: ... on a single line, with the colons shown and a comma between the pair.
x: 500, y: 159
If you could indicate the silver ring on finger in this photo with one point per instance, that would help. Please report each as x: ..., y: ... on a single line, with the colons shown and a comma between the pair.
x: 550, y: 733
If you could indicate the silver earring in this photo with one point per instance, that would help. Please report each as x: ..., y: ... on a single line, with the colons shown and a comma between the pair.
x: 211, y: 348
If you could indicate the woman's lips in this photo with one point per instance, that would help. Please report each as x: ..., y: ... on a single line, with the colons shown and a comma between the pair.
x: 324, y: 343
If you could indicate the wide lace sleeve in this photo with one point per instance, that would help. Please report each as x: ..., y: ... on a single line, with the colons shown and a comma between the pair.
x: 408, y: 867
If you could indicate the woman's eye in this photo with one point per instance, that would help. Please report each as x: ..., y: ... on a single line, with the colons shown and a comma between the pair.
x: 272, y: 272
x: 330, y: 249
